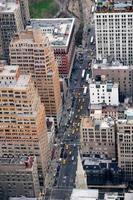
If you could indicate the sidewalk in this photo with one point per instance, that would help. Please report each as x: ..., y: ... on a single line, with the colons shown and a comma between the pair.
x: 49, y: 180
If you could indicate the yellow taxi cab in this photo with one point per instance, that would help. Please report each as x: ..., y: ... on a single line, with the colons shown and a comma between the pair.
x: 67, y: 146
x: 64, y: 162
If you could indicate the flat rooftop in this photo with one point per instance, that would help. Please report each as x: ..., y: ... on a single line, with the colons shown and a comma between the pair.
x: 84, y: 194
x: 109, y: 83
x: 98, y: 124
x: 109, y: 6
x: 58, y: 30
x: 10, y: 77
x: 87, y: 122
x: 109, y: 64
x: 22, y: 198
x: 8, y: 70
x: 8, y: 7
x: 7, y: 160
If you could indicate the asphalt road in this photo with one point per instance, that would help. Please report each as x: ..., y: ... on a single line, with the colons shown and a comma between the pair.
x: 77, y: 105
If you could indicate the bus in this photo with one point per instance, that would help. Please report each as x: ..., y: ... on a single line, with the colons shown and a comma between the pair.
x: 92, y: 39
x: 87, y: 78
x: 92, y: 9
x: 85, y: 91
x: 83, y: 73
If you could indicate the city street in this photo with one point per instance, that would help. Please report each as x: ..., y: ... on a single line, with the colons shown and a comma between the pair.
x: 75, y: 107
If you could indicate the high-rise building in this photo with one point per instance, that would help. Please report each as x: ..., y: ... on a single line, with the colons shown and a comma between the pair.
x: 32, y: 52
x: 97, y: 136
x: 103, y: 92
x: 24, y: 6
x: 60, y: 32
x: 117, y: 72
x: 19, y: 177
x: 125, y: 143
x: 22, y: 117
x: 10, y: 22
x: 113, y: 30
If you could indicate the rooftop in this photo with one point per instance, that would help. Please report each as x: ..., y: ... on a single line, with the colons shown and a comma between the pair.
x: 22, y: 198
x: 8, y: 7
x: 109, y: 64
x: 8, y: 70
x: 30, y: 36
x: 112, y: 6
x: 84, y: 194
x: 96, y: 161
x: 18, y: 81
x: 101, y: 80
x: 128, y: 117
x: 58, y: 30
x: 27, y: 161
x: 87, y: 122
x: 128, y: 196
x: 111, y: 196
x: 97, y: 123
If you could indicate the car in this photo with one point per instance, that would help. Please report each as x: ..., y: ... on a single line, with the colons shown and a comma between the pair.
x: 66, y: 146
x: 62, y: 151
x: 72, y: 158
x: 76, y: 116
x: 73, y: 131
x: 74, y: 145
x: 65, y: 155
x: 55, y: 182
x: 64, y: 181
x: 64, y: 162
x: 58, y: 168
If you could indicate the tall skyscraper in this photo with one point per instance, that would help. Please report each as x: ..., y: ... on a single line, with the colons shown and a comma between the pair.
x: 24, y: 6
x: 32, y: 52
x: 113, y: 30
x: 22, y: 117
x: 10, y: 22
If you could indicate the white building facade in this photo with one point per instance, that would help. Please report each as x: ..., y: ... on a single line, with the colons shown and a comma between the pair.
x: 105, y: 92
x: 113, y: 30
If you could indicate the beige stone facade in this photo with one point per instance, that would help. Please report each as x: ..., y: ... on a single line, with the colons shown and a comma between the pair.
x: 22, y: 117
x: 32, y: 52
x: 18, y: 177
x: 125, y: 144
x: 97, y: 136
